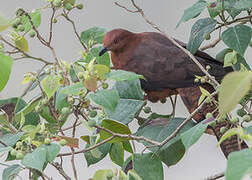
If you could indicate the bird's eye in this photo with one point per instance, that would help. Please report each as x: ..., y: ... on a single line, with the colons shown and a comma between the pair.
x: 116, y: 41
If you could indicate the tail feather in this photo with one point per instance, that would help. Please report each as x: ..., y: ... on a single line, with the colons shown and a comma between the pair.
x: 190, y: 98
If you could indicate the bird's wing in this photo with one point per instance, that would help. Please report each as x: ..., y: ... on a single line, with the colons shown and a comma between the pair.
x: 164, y: 65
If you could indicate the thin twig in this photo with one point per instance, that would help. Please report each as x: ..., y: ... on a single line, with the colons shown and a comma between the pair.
x: 61, y: 170
x: 217, y: 176
x: 51, y: 24
x: 75, y: 30
x: 73, y: 164
x: 211, y: 45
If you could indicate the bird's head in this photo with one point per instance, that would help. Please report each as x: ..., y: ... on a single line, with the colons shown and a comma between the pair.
x: 115, y: 40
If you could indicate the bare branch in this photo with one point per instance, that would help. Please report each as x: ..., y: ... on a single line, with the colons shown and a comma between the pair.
x: 61, y: 170
x: 217, y: 176
x: 211, y: 45
x: 65, y: 15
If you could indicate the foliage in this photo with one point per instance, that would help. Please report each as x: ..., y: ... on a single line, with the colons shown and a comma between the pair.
x: 34, y: 132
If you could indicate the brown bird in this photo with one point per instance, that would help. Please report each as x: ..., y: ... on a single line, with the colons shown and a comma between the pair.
x: 166, y: 68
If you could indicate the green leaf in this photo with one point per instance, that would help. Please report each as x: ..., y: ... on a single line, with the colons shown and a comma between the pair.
x: 72, y: 2
x: 129, y: 89
x: 121, y: 75
x: 214, y: 11
x: 36, y: 19
x: 115, y: 127
x: 106, y: 98
x: 5, y: 69
x: 226, y: 135
x: 132, y: 175
x: 36, y: 159
x: 131, y: 101
x: 127, y: 146
x: 239, y: 164
x: 243, y: 4
x: 192, y: 135
x: 102, y: 174
x: 4, y: 23
x: 125, y: 110
x: 116, y: 153
x: 74, y: 89
x: 172, y: 151
x: 61, y: 98
x: 30, y: 106
x: 50, y: 84
x: 96, y: 34
x: 240, y: 60
x: 52, y: 150
x: 229, y: 59
x: 11, y: 139
x: 94, y: 53
x: 193, y: 11
x: 11, y: 172
x: 237, y: 37
x: 22, y: 43
x: 148, y: 166
x: 4, y: 149
x: 104, y: 149
x: 233, y: 87
x: 200, y: 29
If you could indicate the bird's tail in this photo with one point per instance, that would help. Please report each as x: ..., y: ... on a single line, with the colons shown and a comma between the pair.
x: 190, y: 98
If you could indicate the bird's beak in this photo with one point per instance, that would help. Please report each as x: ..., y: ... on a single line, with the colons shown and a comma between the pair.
x: 103, y: 50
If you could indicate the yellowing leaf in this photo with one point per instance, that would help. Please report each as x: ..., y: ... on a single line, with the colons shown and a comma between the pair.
x: 22, y: 43
x: 50, y: 84
x: 229, y: 133
x: 101, y: 70
x: 233, y: 87
x: 90, y: 83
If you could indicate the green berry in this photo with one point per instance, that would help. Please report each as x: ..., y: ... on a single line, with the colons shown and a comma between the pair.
x: 93, y: 113
x: 207, y: 36
x: 147, y: 109
x: 105, y: 86
x: 19, y: 144
x: 47, y: 141
x: 208, y: 100
x: 13, y: 152
x: 79, y: 6
x: 235, y: 120
x: 17, y: 21
x: 91, y: 123
x: 203, y: 80
x: 208, y: 67
x: 63, y: 142
x: 57, y: 3
x: 19, y: 155
x: 81, y: 75
x: 212, y: 123
x: 246, y: 118
x: 68, y: 6
x: 65, y: 110
x: 196, y: 80
x: 223, y: 130
x: 209, y: 115
x: 21, y: 28
x: 28, y: 140
x: 221, y: 119
x: 54, y: 20
x: 32, y: 33
x: 241, y: 112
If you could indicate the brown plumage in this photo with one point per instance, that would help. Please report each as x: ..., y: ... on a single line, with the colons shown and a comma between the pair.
x: 166, y: 68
